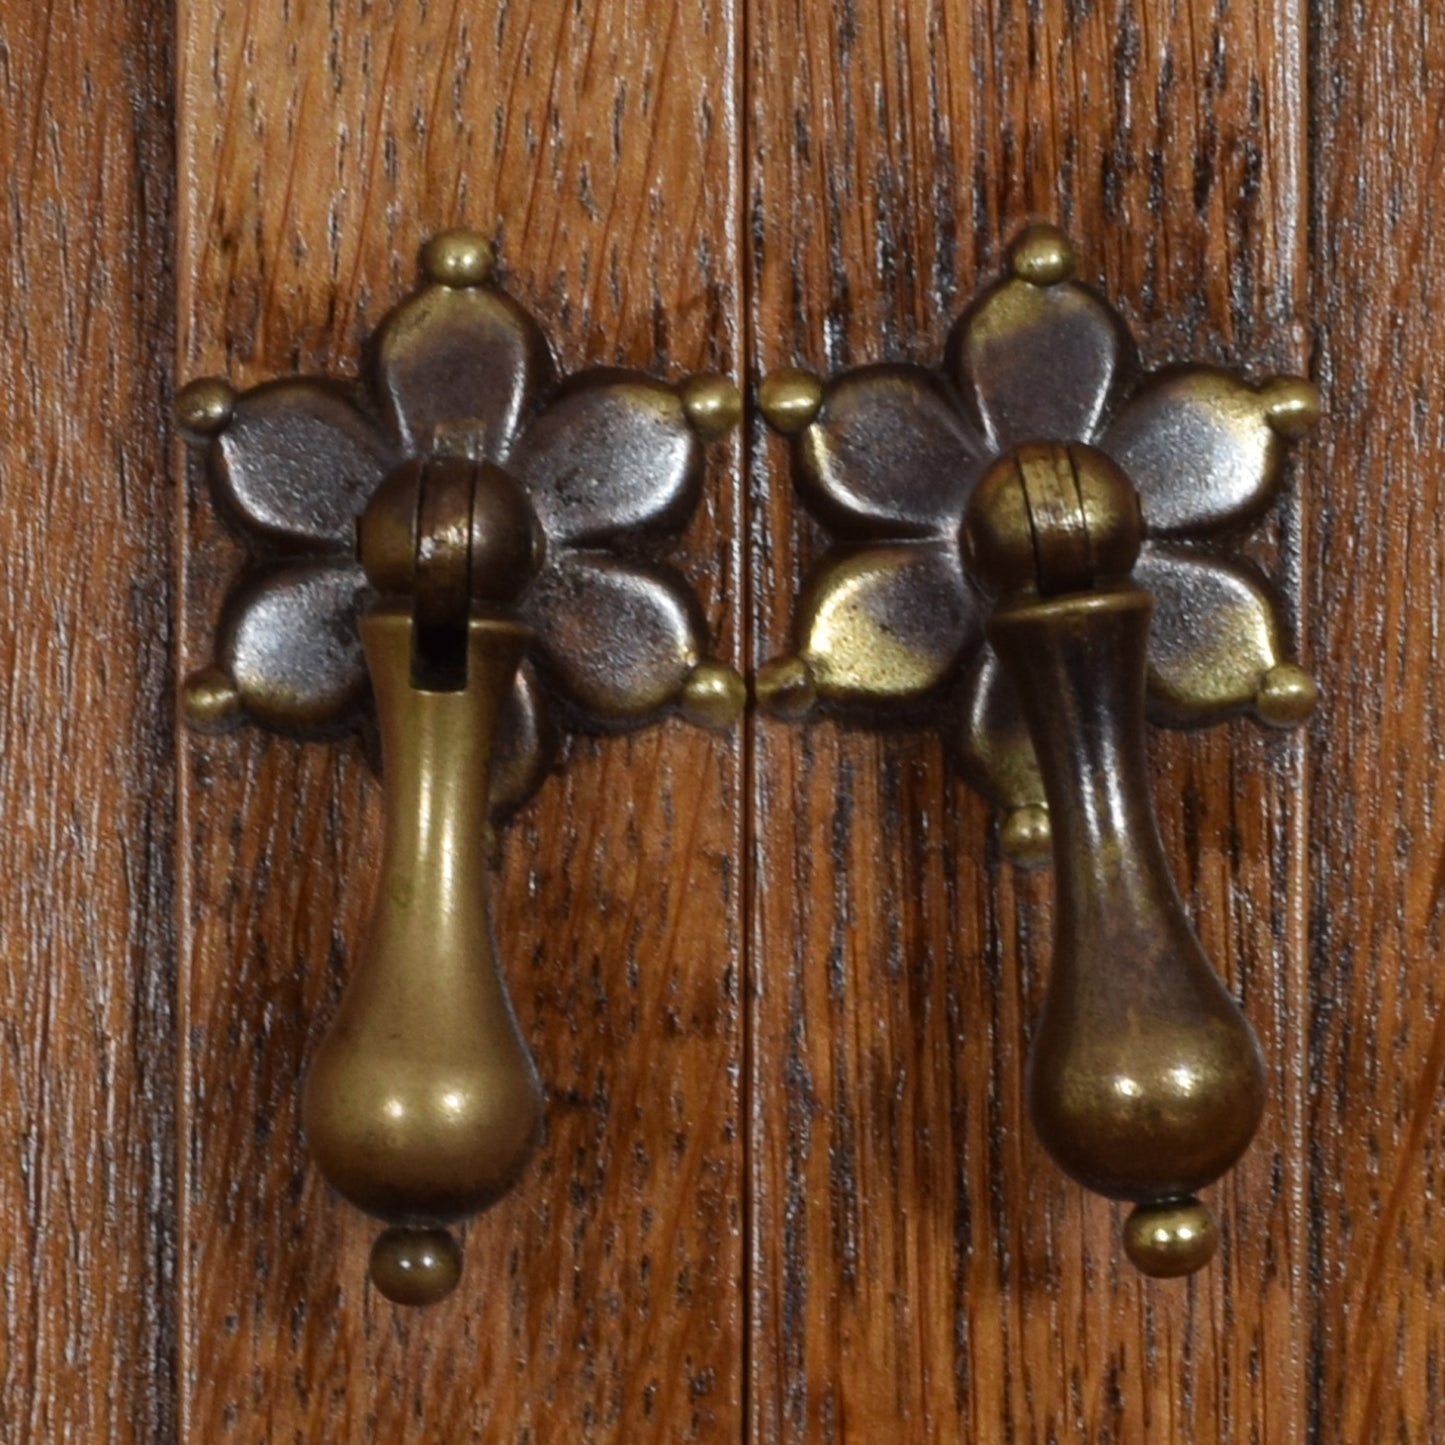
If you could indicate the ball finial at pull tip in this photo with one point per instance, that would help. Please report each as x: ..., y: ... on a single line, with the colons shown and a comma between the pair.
x: 1172, y: 1238
x: 415, y: 1266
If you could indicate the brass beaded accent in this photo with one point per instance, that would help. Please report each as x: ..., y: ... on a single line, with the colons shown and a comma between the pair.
x: 1287, y: 696
x: 785, y: 689
x: 1026, y: 837
x: 714, y: 696
x: 713, y: 404
x: 458, y: 258
x: 211, y: 701
x: 1292, y: 405
x: 205, y: 406
x: 1042, y: 255
x: 790, y: 399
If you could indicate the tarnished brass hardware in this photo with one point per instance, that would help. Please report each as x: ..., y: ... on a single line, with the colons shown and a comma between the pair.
x: 1005, y: 529
x: 435, y: 557
x: 422, y: 1102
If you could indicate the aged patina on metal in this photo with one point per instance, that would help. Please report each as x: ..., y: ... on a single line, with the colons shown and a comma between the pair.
x: 436, y: 557
x: 1005, y: 529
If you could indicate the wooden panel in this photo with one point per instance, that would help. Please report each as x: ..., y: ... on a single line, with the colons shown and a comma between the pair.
x: 921, y: 1271
x: 320, y: 145
x: 1377, y: 549
x: 87, y: 971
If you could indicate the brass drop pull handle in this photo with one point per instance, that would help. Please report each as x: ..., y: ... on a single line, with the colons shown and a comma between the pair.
x: 1029, y: 549
x: 436, y: 556
x: 1145, y: 1081
x: 422, y: 1103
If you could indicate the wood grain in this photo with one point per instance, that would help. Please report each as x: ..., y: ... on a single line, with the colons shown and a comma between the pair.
x: 920, y: 1270
x: 319, y: 147
x: 781, y: 987
x: 1377, y: 550
x: 87, y: 967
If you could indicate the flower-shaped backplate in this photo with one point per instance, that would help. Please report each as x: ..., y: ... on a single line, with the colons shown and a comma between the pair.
x: 887, y: 457
x: 611, y: 463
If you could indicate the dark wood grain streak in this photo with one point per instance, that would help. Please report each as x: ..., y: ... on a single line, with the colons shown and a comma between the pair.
x: 87, y: 968
x: 601, y: 1301
x: 921, y: 1272
x: 1377, y: 555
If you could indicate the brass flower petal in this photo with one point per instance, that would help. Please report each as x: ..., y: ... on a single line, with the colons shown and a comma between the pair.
x: 614, y: 452
x: 1203, y: 448
x: 619, y: 639
x: 294, y: 463
x: 915, y: 484
x: 460, y: 357
x: 1040, y: 361
x: 887, y: 623
x: 288, y: 643
x: 1214, y: 638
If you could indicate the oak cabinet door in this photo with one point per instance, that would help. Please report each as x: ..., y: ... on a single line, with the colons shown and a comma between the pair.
x: 780, y: 983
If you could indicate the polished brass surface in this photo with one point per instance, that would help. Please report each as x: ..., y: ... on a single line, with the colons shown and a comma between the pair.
x: 1145, y: 1082
x: 1004, y: 531
x: 450, y: 557
x: 422, y: 1103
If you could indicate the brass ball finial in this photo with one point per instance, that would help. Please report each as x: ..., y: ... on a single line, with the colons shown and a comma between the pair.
x: 205, y: 406
x: 458, y: 258
x: 1042, y: 255
x: 713, y: 405
x: 415, y: 1266
x: 1292, y: 405
x: 790, y: 399
x: 1287, y: 696
x: 786, y: 689
x: 1171, y: 1239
